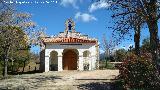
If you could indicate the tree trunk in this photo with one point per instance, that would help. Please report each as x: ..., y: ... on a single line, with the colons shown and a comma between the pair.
x: 153, y: 29
x: 6, y: 62
x: 151, y: 19
x: 24, y: 65
x: 5, y: 67
x: 137, y: 40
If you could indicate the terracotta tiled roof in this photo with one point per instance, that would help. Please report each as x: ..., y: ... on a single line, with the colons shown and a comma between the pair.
x: 67, y: 40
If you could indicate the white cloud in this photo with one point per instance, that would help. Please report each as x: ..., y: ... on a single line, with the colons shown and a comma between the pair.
x: 102, y: 4
x: 85, y: 17
x: 69, y: 2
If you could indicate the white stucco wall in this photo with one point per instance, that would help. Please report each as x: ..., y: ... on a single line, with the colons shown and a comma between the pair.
x: 81, y: 48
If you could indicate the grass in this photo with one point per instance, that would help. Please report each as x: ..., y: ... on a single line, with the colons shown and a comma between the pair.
x: 110, y: 65
x: 106, y: 65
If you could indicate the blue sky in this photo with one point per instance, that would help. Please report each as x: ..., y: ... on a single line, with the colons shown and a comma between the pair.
x: 91, y: 18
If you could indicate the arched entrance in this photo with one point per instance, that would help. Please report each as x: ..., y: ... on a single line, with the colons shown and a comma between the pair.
x: 86, y: 58
x: 53, y: 61
x: 70, y: 60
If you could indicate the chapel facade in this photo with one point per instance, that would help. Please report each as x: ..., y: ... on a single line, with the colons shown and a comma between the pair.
x: 69, y: 50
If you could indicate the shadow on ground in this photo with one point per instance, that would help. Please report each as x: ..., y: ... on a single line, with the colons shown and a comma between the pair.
x: 40, y: 81
x: 27, y: 72
x: 112, y: 85
x: 30, y: 82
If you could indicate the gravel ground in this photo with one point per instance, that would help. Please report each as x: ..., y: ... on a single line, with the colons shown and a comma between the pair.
x: 64, y: 80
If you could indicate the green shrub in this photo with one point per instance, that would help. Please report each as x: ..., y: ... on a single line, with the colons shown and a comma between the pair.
x: 102, y: 64
x: 139, y: 73
x: 110, y: 65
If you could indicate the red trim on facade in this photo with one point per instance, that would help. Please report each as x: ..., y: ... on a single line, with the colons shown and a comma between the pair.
x: 67, y: 40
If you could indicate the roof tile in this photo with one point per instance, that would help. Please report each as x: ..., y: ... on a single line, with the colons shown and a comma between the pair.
x: 67, y: 40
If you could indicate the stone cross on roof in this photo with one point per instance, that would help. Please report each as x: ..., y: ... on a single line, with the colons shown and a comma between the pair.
x: 70, y: 25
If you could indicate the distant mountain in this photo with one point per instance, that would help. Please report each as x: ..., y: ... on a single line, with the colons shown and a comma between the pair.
x: 102, y: 56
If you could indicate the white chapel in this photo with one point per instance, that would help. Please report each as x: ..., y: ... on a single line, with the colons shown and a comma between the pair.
x: 69, y: 50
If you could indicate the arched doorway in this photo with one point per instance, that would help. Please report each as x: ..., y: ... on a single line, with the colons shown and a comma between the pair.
x: 86, y: 59
x: 70, y: 60
x: 53, y: 61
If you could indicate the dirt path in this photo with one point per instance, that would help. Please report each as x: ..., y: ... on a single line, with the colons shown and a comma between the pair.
x: 65, y: 80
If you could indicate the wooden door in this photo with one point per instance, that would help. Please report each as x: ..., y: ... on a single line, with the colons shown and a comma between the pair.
x: 69, y: 60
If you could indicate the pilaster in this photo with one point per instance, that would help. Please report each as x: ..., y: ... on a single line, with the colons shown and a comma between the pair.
x: 80, y: 61
x: 60, y: 63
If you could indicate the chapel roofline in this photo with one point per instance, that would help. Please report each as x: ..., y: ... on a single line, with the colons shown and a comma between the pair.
x: 69, y: 35
x: 67, y: 40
